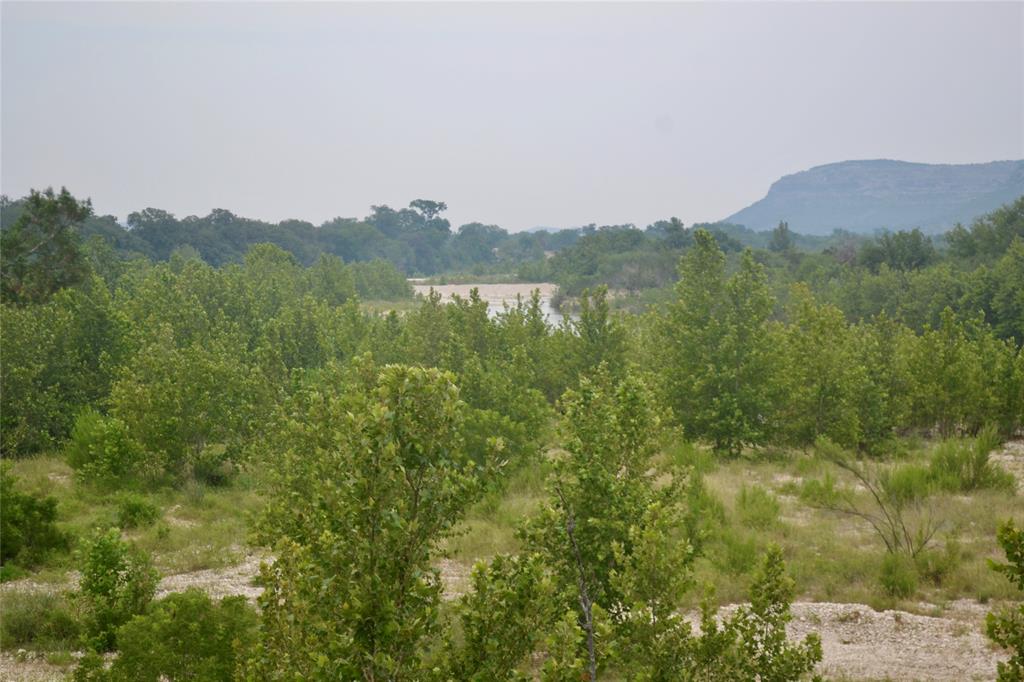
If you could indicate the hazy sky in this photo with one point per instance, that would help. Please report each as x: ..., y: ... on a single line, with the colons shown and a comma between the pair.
x: 515, y: 114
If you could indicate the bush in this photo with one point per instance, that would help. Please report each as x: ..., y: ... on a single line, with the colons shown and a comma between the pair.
x: 28, y: 529
x: 935, y: 566
x: 38, y: 620
x: 134, y: 511
x: 964, y: 466
x: 757, y: 507
x: 118, y: 582
x: 101, y: 449
x: 1006, y: 628
x: 898, y: 576
x: 185, y: 636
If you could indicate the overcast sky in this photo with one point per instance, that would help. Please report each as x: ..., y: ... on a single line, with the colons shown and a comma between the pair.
x: 515, y: 114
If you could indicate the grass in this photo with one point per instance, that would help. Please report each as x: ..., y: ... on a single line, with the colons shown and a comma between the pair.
x: 42, y: 621
x: 196, y: 527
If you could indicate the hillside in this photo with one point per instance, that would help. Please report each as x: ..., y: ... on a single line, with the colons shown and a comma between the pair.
x: 863, y: 196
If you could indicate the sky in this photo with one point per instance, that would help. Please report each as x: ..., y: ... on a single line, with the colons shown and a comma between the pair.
x: 519, y: 115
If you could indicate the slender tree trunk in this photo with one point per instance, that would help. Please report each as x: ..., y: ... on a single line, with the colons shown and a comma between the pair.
x: 586, y: 604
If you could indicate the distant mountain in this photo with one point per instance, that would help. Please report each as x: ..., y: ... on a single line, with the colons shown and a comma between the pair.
x: 863, y: 196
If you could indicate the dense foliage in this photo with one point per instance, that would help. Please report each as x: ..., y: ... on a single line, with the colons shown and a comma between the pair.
x: 373, y: 433
x: 27, y: 524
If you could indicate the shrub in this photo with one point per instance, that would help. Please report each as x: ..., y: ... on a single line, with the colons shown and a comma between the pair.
x: 935, y: 566
x: 511, y: 597
x: 898, y: 576
x: 964, y: 466
x: 757, y: 507
x: 38, y: 620
x: 28, y: 529
x: 118, y: 582
x: 185, y: 636
x: 1007, y: 628
x: 134, y: 511
x: 898, y: 506
x: 101, y: 449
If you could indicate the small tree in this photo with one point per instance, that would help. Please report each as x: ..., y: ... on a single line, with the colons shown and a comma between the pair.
x: 717, y: 351
x: 1007, y: 628
x: 501, y: 620
x: 374, y: 476
x: 752, y: 644
x: 605, y: 507
x: 118, y: 582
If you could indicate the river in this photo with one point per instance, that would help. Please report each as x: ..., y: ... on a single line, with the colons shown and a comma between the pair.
x: 497, y: 295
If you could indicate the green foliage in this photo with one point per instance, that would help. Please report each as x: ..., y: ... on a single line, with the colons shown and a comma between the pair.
x: 762, y: 651
x: 134, y: 511
x: 38, y: 620
x: 898, y: 576
x: 1006, y: 629
x: 102, y: 450
x: 40, y: 250
x: 605, y: 531
x: 716, y: 349
x: 185, y: 636
x: 822, y: 376
x: 57, y: 359
x: 596, y: 336
x: 756, y: 507
x: 990, y: 235
x: 898, y: 505
x: 501, y: 620
x: 964, y: 466
x: 118, y: 582
x: 191, y: 408
x: 899, y: 251
x: 373, y: 478
x: 28, y: 529
x: 962, y: 378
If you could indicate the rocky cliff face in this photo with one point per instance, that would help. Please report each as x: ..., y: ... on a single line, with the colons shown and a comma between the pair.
x: 863, y: 196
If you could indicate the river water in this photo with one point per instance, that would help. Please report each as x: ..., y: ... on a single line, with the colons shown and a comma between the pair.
x: 497, y: 295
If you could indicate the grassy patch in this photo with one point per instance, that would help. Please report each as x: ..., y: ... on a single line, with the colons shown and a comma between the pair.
x: 192, y: 528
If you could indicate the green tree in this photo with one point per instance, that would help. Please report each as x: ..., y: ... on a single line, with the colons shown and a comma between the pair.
x: 782, y: 239
x: 501, y: 620
x: 604, y: 505
x: 40, y: 251
x: 1007, y: 628
x: 191, y: 408
x: 118, y: 582
x: 821, y: 374
x: 717, y: 350
x: 752, y: 644
x: 373, y: 478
